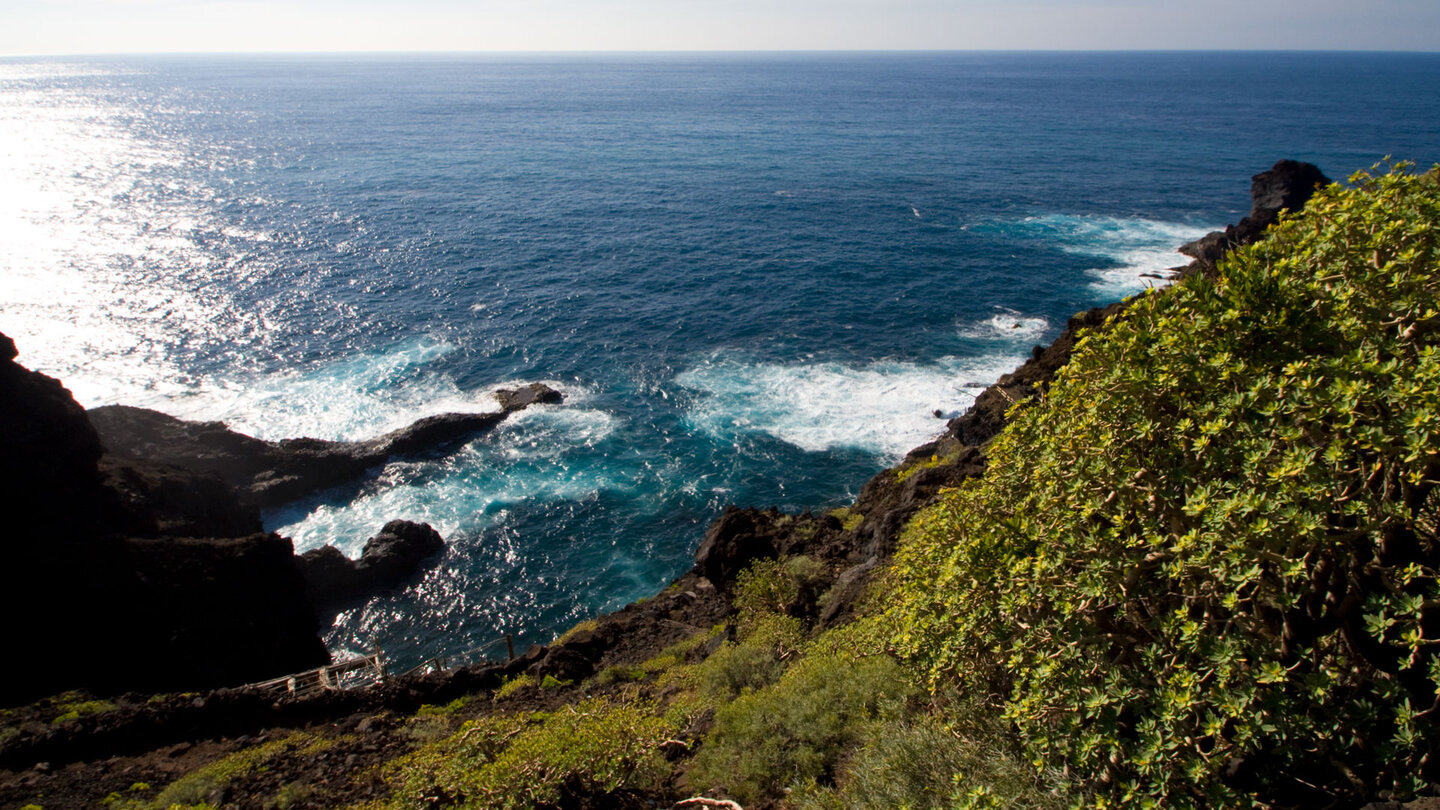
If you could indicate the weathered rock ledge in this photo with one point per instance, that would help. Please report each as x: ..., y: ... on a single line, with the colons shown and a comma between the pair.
x: 134, y: 555
x: 397, y: 553
x: 264, y: 473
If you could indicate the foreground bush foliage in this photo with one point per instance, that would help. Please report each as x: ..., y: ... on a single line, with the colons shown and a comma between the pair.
x: 797, y: 730
x: 592, y: 748
x: 1203, y: 570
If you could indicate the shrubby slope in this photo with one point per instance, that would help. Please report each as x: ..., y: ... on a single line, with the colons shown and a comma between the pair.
x: 1202, y: 569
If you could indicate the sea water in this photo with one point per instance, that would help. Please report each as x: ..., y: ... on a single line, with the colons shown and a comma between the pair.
x: 756, y: 277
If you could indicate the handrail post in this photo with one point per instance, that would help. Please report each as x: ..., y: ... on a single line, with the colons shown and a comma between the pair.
x: 510, y: 646
x: 379, y: 658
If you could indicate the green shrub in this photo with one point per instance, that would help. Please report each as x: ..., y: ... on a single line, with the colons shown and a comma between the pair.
x: 756, y: 660
x: 74, y: 705
x: 848, y: 517
x: 592, y: 748
x: 430, y: 709
x: 775, y: 586
x: 512, y: 685
x: 200, y: 786
x: 291, y: 794
x: 797, y: 730
x: 620, y: 673
x: 922, y: 762
x: 1203, y: 570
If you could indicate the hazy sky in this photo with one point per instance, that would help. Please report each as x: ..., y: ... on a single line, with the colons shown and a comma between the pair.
x: 112, y: 26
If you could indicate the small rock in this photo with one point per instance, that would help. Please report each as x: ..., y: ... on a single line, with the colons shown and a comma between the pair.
x: 513, y: 399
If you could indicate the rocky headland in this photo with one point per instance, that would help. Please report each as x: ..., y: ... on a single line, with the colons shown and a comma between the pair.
x: 152, y: 476
x: 135, y: 554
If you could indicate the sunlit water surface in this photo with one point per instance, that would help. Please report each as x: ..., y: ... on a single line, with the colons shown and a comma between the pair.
x: 756, y: 278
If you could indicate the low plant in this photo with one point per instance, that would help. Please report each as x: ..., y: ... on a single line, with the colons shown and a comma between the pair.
x: 593, y: 748
x: 798, y: 730
x: 771, y: 586
x: 428, y: 709
x: 196, y: 789
x: 74, y: 705
x: 514, y: 685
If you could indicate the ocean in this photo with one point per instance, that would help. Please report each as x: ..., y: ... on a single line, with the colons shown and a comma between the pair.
x: 755, y: 277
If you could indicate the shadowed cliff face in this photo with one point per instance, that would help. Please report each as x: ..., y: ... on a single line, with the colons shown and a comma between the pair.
x: 85, y: 603
x: 134, y: 556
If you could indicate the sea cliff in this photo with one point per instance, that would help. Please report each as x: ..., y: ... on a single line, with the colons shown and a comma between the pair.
x: 765, y: 587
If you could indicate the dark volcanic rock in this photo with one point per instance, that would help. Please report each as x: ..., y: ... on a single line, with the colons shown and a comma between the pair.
x: 736, y: 539
x: 1286, y: 186
x: 49, y: 450
x: 513, y: 399
x: 161, y: 500
x: 390, y: 558
x: 82, y: 604
x: 266, y: 473
x: 207, y: 612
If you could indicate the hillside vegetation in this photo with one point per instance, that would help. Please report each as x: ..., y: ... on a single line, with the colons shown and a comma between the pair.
x: 1202, y: 571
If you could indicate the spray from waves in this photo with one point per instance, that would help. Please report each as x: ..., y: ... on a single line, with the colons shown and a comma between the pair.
x: 539, y: 455
x: 885, y: 407
x: 1136, y: 251
x: 1007, y: 325
x: 356, y: 397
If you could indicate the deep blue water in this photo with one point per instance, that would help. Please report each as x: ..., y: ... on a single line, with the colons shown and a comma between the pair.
x: 755, y: 276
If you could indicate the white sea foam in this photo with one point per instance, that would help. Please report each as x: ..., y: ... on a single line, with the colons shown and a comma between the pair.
x: 1007, y: 325
x: 885, y: 407
x: 1138, y: 249
x: 355, y: 398
x: 528, y: 459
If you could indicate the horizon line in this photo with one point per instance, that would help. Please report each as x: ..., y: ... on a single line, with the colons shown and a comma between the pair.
x: 698, y: 51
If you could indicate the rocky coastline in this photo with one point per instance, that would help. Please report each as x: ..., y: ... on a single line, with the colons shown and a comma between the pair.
x: 136, y: 558
x: 150, y: 484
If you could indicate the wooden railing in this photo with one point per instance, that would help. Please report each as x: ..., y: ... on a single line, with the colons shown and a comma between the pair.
x: 368, y: 669
x: 346, y: 674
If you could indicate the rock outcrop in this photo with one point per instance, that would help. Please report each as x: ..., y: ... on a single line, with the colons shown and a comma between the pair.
x: 91, y: 594
x: 134, y: 556
x: 264, y: 473
x: 397, y: 554
x: 1287, y: 186
x: 48, y: 451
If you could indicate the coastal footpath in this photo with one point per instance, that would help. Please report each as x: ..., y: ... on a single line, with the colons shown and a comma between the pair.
x: 802, y: 663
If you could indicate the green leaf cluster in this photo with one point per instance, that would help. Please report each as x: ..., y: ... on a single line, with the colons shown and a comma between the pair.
x: 594, y: 747
x: 1202, y: 570
x: 797, y: 730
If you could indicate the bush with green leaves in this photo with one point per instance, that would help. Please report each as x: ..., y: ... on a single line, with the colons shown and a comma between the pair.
x: 771, y: 586
x: 588, y: 749
x: 1202, y: 570
x: 796, y: 731
x: 920, y: 763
